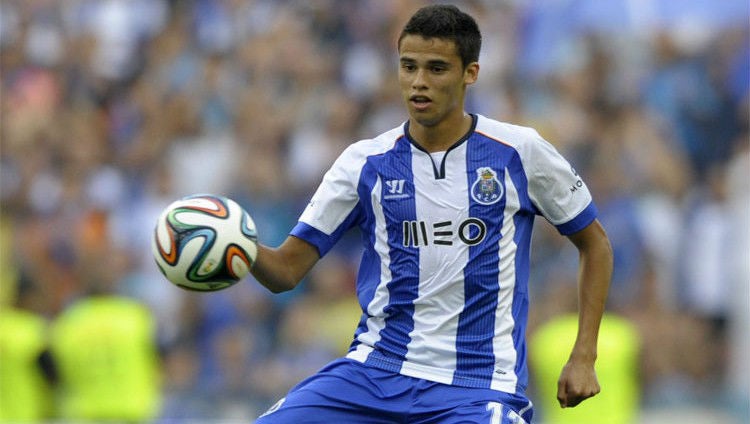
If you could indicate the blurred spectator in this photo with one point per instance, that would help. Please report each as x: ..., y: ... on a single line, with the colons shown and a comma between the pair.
x: 104, y: 347
x: 706, y: 242
x: 738, y: 308
x: 619, y: 401
x: 681, y: 93
x: 331, y: 303
x: 25, y: 374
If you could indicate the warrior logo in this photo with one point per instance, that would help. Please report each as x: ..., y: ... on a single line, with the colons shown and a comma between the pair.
x: 486, y: 190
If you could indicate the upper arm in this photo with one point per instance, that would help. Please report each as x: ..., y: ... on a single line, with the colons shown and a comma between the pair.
x: 299, y: 255
x: 590, y: 238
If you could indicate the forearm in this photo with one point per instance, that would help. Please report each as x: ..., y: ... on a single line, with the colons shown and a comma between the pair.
x: 578, y: 378
x: 281, y: 269
x: 593, y: 286
x: 595, y: 272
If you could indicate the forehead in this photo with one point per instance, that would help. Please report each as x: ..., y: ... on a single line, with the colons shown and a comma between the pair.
x: 429, y: 48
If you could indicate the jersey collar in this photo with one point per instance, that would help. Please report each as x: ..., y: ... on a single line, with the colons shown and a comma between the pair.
x: 440, y: 170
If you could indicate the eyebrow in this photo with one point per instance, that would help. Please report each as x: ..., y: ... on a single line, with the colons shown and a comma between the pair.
x: 432, y: 62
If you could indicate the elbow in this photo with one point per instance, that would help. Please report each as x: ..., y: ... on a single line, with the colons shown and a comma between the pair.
x: 602, y: 252
x: 607, y: 250
x: 280, y: 287
x: 277, y: 285
x: 274, y: 284
x: 593, y: 242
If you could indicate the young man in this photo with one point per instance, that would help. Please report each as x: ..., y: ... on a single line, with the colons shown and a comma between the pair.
x: 445, y: 203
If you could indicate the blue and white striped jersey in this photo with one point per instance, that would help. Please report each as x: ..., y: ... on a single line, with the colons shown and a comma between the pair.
x: 443, y: 278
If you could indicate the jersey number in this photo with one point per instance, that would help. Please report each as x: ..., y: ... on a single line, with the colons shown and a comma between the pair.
x: 497, y: 415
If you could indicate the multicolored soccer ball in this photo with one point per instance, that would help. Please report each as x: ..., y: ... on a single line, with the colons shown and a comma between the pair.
x: 204, y: 242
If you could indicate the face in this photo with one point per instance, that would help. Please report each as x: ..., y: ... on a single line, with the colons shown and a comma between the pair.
x: 432, y: 79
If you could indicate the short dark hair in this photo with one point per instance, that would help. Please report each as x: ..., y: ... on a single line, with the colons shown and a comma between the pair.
x: 448, y: 22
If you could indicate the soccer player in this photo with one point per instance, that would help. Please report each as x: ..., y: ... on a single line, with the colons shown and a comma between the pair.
x: 445, y: 203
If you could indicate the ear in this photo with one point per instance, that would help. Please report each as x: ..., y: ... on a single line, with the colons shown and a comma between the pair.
x: 471, y: 73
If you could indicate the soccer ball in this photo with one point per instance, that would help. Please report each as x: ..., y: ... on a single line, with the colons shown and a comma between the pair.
x: 204, y: 242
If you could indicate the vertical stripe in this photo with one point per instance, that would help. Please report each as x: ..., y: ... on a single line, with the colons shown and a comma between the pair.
x: 400, y: 272
x: 476, y: 330
x: 523, y: 223
x: 374, y: 268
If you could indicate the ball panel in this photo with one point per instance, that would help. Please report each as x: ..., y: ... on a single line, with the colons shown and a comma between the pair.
x: 198, y: 247
x: 166, y: 244
x: 205, y: 286
x: 238, y: 264
x: 208, y: 203
x: 248, y: 229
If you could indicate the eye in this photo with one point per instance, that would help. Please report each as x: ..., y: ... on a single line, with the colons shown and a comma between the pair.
x: 438, y: 69
x: 408, y: 67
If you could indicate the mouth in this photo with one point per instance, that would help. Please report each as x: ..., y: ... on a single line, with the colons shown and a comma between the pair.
x: 420, y: 103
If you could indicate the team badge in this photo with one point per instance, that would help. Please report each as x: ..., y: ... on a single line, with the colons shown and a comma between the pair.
x: 486, y: 190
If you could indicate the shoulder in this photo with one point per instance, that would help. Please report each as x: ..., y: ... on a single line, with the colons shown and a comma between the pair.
x: 363, y: 149
x: 515, y: 136
x: 533, y: 150
x: 350, y: 163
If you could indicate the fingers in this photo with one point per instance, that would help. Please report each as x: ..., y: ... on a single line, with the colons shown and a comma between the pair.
x: 562, y: 394
x: 569, y: 397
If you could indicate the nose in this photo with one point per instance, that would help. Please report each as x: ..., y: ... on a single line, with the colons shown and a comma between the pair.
x: 419, y: 82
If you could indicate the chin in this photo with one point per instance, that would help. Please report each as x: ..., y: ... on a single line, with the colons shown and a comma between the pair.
x: 425, y: 121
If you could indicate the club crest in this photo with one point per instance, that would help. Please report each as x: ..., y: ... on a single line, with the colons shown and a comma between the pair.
x: 486, y: 190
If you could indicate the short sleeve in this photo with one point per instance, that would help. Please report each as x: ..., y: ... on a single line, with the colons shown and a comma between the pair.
x: 555, y: 187
x: 332, y: 209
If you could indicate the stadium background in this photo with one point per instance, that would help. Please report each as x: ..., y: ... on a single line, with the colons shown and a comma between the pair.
x: 113, y: 108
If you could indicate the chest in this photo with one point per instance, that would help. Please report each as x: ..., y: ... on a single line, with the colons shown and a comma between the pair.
x: 447, y: 200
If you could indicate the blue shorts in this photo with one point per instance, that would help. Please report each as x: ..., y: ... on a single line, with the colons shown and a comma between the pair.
x: 346, y: 391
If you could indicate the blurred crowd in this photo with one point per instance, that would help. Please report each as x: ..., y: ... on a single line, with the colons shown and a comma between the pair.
x: 111, y: 109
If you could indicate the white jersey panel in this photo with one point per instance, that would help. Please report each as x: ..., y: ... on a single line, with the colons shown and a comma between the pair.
x: 503, y: 346
x: 440, y: 294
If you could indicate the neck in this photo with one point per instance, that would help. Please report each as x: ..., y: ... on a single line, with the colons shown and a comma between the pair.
x: 438, y: 138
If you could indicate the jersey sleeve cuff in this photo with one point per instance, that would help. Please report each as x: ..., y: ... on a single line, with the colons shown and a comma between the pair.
x: 312, y: 235
x: 581, y: 221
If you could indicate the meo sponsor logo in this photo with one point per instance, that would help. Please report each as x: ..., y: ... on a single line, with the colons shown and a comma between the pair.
x: 470, y: 231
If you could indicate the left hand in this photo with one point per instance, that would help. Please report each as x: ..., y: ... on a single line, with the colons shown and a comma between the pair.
x: 577, y: 383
